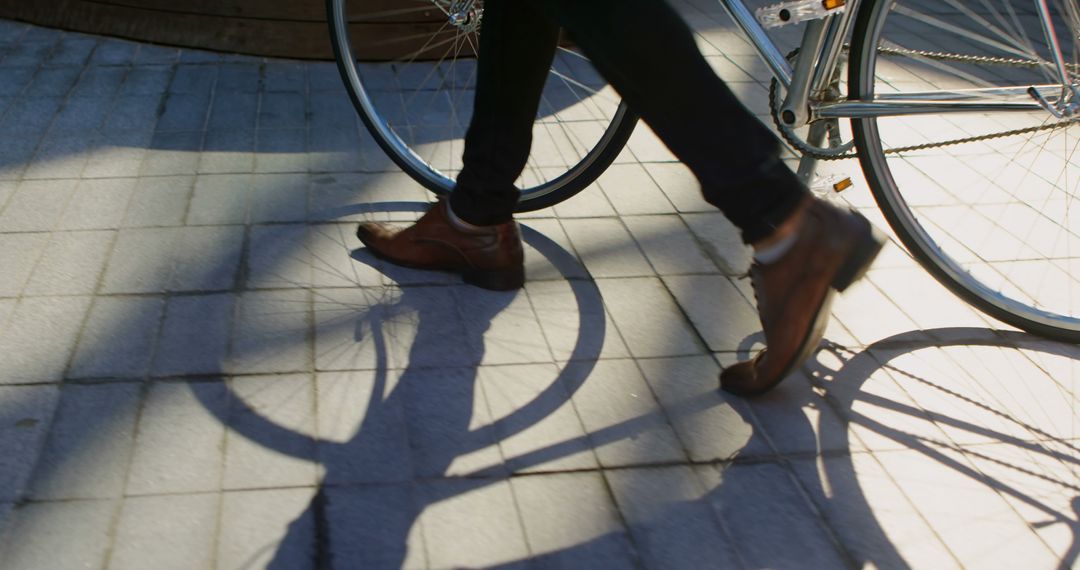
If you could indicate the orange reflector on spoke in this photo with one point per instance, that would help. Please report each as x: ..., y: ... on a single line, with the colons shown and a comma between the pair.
x: 832, y: 4
x: 842, y: 185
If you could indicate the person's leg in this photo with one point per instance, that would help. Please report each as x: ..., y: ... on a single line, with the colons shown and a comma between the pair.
x: 805, y: 249
x: 647, y: 52
x: 473, y: 233
x: 517, y: 45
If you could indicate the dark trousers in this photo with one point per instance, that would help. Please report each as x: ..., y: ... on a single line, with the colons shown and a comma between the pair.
x: 647, y: 53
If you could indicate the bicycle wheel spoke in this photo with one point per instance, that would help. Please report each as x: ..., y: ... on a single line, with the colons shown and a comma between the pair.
x: 985, y: 199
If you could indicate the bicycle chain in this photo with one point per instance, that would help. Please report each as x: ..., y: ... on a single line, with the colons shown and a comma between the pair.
x: 937, y: 56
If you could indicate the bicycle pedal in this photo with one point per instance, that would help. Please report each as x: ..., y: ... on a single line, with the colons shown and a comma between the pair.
x: 795, y: 11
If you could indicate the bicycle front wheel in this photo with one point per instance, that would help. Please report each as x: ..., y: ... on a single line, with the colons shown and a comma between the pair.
x: 985, y: 199
x: 410, y: 69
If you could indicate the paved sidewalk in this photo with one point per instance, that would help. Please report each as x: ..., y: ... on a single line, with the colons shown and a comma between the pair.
x: 199, y: 370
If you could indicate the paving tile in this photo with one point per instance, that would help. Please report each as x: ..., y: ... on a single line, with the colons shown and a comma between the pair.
x: 146, y: 80
x: 172, y: 153
x: 70, y: 534
x: 183, y: 112
x: 606, y: 248
x: 98, y: 204
x: 19, y: 253
x: 194, y: 335
x: 501, y: 327
x: 575, y: 324
x: 362, y: 428
x: 254, y: 457
x: 870, y: 315
x: 29, y: 53
x: 571, y: 521
x: 17, y: 153
x: 237, y: 78
x: 39, y: 338
x: 924, y: 300
x: 173, y: 531
x: 710, y: 424
x: 193, y: 79
x: 554, y: 442
x: 374, y: 526
x: 647, y: 318
x: 81, y: 114
x: 228, y: 152
x: 472, y: 526
x: 220, y: 199
x: 361, y: 197
x: 281, y: 150
x: 267, y: 528
x: 72, y: 50
x: 277, y: 257
x: 973, y: 519
x: 548, y: 253
x: 114, y: 52
x: 757, y: 499
x: 718, y: 310
x: 669, y: 245
x: 99, y: 81
x: 626, y: 425
x: 631, y: 191
x: 60, y: 155
x: 721, y: 241
x: 207, y: 259
x: 71, y: 264
x: 118, y: 338
x: 336, y: 149
x: 279, y: 198
x: 589, y: 203
x: 30, y: 116
x: 36, y: 205
x: 416, y: 326
x: 179, y: 445
x: 876, y: 523
x: 86, y: 453
x: 142, y: 261
x: 1037, y: 482
x: 444, y: 413
x: 332, y: 253
x: 117, y: 154
x: 24, y: 424
x: 647, y: 147
x: 284, y: 110
x: 234, y: 111
x: 671, y: 524
x: 271, y: 333
x: 135, y: 112
x: 160, y: 201
x: 53, y: 81
x: 15, y: 80
x: 153, y: 54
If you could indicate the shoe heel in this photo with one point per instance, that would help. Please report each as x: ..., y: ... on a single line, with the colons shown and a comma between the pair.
x: 495, y: 280
x: 864, y: 253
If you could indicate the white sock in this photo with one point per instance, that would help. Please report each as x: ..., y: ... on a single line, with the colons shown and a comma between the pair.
x: 767, y: 255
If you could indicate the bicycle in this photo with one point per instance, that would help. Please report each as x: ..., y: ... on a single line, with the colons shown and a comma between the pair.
x: 960, y: 113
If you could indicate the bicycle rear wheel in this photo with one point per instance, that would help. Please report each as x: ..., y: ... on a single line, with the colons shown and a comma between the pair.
x: 410, y: 69
x: 986, y: 200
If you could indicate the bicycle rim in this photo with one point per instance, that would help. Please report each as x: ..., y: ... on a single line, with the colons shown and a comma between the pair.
x: 995, y: 218
x: 410, y: 69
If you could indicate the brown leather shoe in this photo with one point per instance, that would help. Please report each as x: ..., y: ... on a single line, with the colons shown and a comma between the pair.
x: 489, y: 257
x: 833, y: 249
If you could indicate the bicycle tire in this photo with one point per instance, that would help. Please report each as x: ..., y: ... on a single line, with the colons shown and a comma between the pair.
x: 585, y: 123
x: 990, y: 219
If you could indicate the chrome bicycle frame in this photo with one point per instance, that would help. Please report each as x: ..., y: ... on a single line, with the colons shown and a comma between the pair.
x: 819, y: 54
